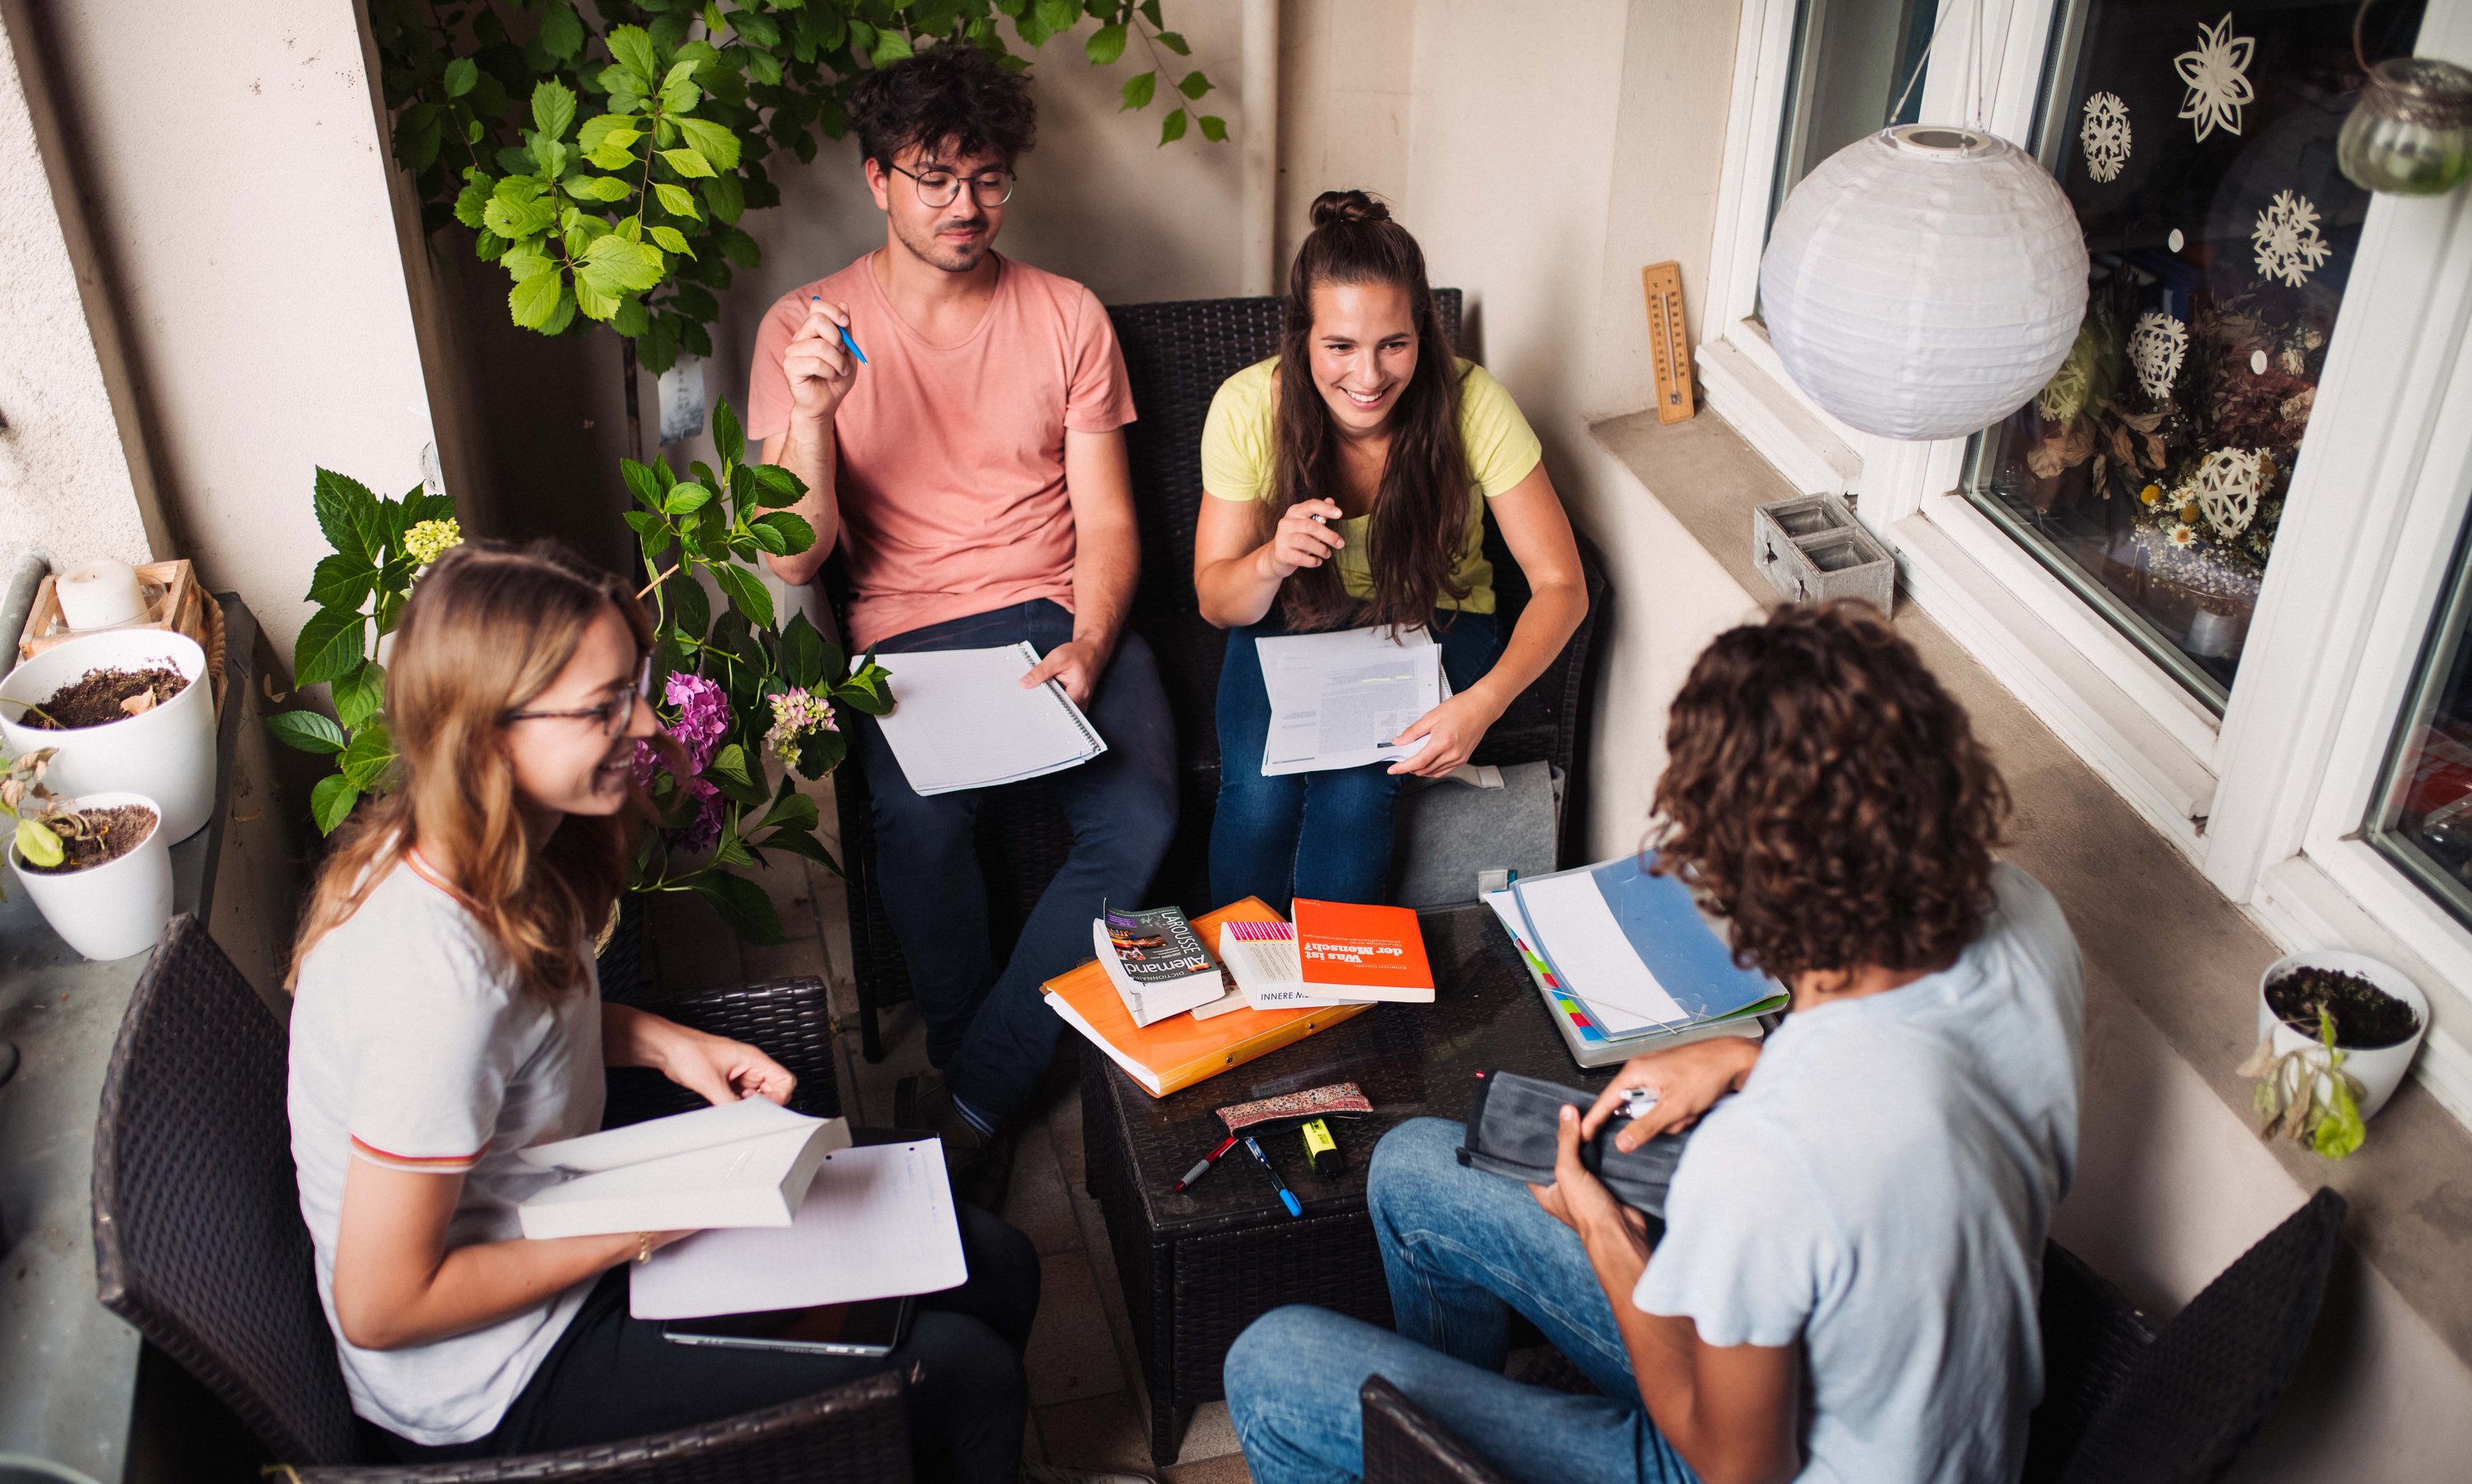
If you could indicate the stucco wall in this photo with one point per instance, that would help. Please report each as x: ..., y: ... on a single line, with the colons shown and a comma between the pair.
x: 230, y: 165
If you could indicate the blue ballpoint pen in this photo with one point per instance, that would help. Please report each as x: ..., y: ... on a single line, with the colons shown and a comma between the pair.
x: 817, y: 298
x: 1286, y: 1197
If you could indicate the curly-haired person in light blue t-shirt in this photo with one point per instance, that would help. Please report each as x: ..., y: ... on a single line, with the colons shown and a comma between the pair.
x: 1843, y: 1287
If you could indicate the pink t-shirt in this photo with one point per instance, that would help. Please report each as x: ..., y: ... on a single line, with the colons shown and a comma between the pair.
x: 951, y: 458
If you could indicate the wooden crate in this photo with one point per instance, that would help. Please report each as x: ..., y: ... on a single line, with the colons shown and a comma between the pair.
x: 181, y: 606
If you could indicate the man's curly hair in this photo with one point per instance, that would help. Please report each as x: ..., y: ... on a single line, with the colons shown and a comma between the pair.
x: 952, y: 96
x: 1826, y: 797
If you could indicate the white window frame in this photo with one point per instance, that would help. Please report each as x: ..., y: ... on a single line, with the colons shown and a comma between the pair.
x: 2266, y: 799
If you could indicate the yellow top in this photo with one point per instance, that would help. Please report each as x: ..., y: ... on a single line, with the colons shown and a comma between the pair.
x: 1238, y: 444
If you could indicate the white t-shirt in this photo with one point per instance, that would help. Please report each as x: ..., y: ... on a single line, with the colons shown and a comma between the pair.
x: 414, y: 1046
x: 1880, y: 1190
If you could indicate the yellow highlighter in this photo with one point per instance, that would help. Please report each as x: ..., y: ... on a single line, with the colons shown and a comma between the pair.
x: 1321, y: 1151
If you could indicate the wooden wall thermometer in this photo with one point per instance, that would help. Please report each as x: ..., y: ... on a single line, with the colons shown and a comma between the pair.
x: 1667, y: 344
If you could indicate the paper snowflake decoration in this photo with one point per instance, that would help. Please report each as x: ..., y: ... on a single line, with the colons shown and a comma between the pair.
x: 2105, y: 135
x: 2289, y: 245
x: 2157, y: 344
x: 2217, y: 72
x: 2229, y: 481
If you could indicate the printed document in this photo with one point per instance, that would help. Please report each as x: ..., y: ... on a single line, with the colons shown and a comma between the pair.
x: 1338, y: 699
x: 961, y: 719
x: 877, y: 1223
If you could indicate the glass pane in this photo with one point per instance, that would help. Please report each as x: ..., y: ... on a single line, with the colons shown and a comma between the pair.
x: 2198, y: 145
x: 1852, y: 59
x: 2422, y: 816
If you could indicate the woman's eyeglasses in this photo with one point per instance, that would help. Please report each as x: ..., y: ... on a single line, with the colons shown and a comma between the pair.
x: 943, y: 187
x: 610, y: 716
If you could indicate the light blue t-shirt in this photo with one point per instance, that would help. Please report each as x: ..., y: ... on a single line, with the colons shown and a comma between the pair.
x: 1879, y: 1191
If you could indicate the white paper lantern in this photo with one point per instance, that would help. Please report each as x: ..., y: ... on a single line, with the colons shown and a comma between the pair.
x: 1924, y: 282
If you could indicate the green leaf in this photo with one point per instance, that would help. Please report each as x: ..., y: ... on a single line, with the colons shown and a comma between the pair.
x: 777, y: 487
x: 792, y: 811
x: 598, y: 188
x: 536, y: 300
x: 792, y: 532
x: 331, y: 802
x: 715, y: 143
x: 368, y: 757
x: 1171, y: 128
x: 1173, y: 42
x: 690, y: 607
x: 1055, y: 16
x: 1139, y: 89
x: 736, y: 774
x: 306, y: 730
x: 729, y: 439
x: 890, y: 46
x: 1106, y: 45
x: 731, y: 850
x: 642, y: 483
x: 868, y: 689
x: 743, y: 906
x: 1213, y: 127
x: 342, y: 581
x: 461, y: 74
x: 472, y: 202
x: 799, y: 842
x: 746, y: 593
x: 329, y: 646
x: 347, y: 513
x: 685, y: 498
x: 359, y: 694
x: 632, y: 48
x: 37, y: 845
x: 726, y: 195
x: 553, y: 107
x: 670, y: 240
x: 616, y: 150
x: 549, y: 155
x: 1194, y: 85
x: 678, y: 91
x: 595, y: 304
x: 561, y: 30
x: 802, y: 654
x: 526, y: 261
x: 675, y: 201
x: 688, y: 164
x: 562, y: 316
x: 514, y: 222
x: 614, y: 266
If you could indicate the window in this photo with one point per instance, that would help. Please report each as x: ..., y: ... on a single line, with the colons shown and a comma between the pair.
x: 1872, y: 48
x: 2198, y: 144
x: 2421, y: 818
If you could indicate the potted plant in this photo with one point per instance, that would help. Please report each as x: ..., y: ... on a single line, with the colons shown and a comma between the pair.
x: 98, y: 866
x: 2336, y: 1032
x: 122, y: 709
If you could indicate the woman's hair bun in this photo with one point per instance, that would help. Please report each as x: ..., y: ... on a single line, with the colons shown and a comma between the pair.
x: 1347, y: 206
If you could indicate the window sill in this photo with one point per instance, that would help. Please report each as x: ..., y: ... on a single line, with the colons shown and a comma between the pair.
x: 2191, y: 972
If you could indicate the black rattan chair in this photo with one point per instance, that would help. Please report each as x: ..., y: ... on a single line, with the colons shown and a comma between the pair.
x: 1403, y: 1443
x: 1175, y: 355
x: 2122, y: 1404
x: 199, y: 1245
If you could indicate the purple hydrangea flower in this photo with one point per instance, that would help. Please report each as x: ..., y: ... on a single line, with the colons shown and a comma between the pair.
x: 702, y: 721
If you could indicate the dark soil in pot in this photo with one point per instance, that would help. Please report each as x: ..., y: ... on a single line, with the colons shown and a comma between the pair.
x: 110, y: 833
x: 2365, y: 1016
x: 100, y: 697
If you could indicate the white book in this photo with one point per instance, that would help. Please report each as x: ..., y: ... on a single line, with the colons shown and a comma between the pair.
x: 745, y: 1164
x: 1149, y: 1004
x: 961, y: 719
x: 1270, y: 972
x: 877, y: 1222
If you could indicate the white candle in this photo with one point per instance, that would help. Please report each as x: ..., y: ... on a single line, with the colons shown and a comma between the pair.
x: 100, y: 594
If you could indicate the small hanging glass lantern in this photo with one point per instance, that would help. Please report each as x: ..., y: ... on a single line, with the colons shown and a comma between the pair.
x: 2410, y: 133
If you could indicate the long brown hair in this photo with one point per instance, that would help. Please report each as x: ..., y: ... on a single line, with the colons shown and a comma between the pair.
x: 1824, y: 794
x: 1420, y: 509
x: 487, y: 628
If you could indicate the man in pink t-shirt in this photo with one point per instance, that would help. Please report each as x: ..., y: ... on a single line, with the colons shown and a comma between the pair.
x: 972, y: 473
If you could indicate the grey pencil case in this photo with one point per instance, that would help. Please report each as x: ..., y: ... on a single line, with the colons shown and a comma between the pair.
x: 1514, y: 1130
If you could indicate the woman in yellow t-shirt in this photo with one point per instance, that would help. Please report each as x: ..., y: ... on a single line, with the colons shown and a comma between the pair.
x: 1348, y: 480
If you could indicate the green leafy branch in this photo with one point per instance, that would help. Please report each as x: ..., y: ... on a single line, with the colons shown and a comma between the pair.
x: 2305, y: 1094
x: 1120, y: 20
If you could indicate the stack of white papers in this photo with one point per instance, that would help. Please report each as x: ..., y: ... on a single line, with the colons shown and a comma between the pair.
x: 1338, y: 699
x: 877, y: 1223
x: 735, y: 1165
x: 961, y: 719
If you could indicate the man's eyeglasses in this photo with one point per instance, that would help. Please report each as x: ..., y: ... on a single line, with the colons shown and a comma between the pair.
x: 611, y: 716
x: 943, y: 187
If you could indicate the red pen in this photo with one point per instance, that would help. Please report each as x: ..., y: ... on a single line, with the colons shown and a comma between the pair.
x: 1204, y: 1168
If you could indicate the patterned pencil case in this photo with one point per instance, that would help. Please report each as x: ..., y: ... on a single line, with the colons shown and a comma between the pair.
x: 1338, y: 1100
x: 1514, y: 1130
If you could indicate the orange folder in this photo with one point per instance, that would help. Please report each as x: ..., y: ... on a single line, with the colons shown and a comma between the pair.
x: 1173, y: 1054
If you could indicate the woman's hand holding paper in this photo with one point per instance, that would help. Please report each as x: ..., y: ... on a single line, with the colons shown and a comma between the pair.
x: 1451, y: 732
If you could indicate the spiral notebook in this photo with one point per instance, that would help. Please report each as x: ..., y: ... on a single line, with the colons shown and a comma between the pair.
x: 961, y: 718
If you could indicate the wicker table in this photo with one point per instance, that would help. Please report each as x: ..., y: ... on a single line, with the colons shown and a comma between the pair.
x: 1201, y: 1266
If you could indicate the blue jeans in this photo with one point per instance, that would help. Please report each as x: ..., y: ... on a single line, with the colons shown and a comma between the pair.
x: 1462, y: 1248
x: 991, y: 1032
x: 1320, y: 835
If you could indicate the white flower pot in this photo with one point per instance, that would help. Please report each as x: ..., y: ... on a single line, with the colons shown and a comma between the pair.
x: 111, y: 910
x: 2379, y: 1068
x: 167, y: 753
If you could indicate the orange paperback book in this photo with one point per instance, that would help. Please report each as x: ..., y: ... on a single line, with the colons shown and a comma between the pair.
x: 1349, y: 950
x: 1170, y: 1054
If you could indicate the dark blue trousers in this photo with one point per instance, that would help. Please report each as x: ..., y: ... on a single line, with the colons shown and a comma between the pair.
x: 991, y: 1032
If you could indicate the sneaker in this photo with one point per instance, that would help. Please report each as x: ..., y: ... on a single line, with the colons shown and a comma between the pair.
x: 1052, y: 1474
x: 980, y: 1164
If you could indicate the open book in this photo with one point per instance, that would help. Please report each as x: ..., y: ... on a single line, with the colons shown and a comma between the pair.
x: 735, y: 1165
